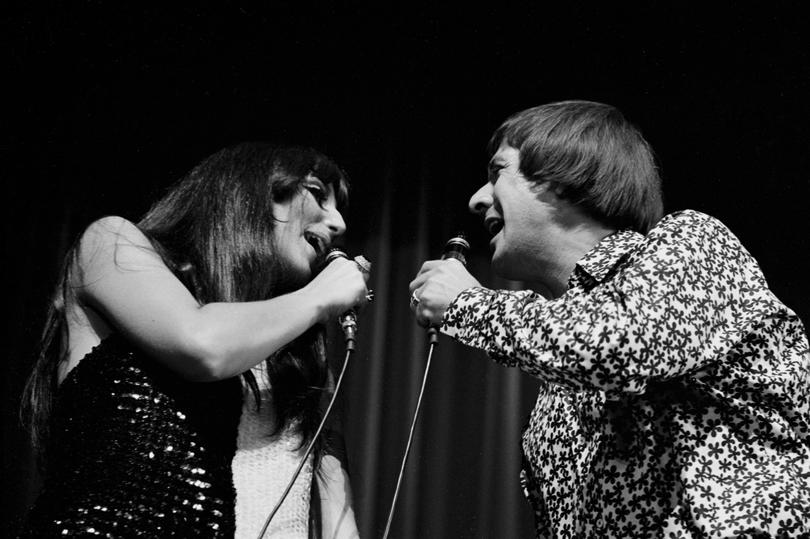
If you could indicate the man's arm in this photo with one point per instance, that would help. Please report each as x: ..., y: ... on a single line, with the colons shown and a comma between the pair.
x: 681, y: 302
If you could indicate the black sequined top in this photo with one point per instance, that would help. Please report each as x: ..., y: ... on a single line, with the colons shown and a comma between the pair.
x: 138, y: 452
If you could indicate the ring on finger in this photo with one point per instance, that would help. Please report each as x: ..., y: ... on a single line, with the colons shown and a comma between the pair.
x: 362, y: 264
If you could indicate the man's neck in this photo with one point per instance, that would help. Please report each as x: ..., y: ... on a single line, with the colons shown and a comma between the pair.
x: 577, y: 244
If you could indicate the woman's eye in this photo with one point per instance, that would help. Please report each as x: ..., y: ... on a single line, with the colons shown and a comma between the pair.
x: 318, y: 193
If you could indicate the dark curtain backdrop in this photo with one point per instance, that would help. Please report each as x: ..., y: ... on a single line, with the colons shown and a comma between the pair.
x: 107, y: 104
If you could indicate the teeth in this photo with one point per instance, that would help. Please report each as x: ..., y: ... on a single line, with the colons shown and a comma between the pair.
x: 315, y: 241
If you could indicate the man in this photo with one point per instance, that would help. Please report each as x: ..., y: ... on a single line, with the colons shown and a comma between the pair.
x: 675, y: 399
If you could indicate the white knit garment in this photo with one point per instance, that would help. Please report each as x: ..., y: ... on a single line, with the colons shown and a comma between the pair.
x: 262, y: 468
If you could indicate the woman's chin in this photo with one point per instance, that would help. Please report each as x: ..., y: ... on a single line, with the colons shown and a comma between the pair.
x: 292, y: 277
x: 301, y: 274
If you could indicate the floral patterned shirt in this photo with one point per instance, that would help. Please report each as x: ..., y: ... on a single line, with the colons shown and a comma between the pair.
x: 675, y: 394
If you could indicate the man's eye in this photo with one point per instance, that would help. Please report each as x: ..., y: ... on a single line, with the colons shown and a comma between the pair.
x: 493, y: 172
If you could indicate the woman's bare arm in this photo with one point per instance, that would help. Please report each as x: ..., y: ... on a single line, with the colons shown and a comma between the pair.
x: 123, y: 278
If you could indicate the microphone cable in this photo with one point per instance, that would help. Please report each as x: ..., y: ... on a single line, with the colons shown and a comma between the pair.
x: 349, y: 352
x: 433, y: 342
x: 348, y: 323
x: 456, y: 247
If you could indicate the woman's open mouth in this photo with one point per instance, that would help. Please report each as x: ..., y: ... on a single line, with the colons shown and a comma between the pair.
x: 319, y: 245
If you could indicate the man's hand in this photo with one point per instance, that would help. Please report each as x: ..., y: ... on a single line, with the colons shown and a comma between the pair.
x: 436, y: 285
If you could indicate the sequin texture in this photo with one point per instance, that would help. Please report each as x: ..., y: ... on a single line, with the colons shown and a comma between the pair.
x: 138, y: 452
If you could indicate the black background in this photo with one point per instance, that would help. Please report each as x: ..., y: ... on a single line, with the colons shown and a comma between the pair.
x: 106, y: 104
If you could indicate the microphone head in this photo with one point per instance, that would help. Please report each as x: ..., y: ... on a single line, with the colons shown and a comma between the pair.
x: 334, y: 253
x: 457, y: 247
x: 457, y: 242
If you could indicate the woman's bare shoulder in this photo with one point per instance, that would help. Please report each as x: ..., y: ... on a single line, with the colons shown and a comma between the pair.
x: 117, y: 240
x: 114, y: 230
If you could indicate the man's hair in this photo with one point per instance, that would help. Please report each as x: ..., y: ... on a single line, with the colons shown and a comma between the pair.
x: 601, y: 161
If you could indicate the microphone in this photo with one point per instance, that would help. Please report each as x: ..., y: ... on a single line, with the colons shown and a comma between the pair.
x: 456, y: 247
x: 347, y: 320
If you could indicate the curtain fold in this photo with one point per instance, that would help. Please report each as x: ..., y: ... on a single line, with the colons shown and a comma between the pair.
x: 462, y: 474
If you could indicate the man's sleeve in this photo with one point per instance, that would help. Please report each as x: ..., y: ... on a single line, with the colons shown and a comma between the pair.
x: 680, y: 302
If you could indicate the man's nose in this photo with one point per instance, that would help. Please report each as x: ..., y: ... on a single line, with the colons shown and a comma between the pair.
x: 481, y: 199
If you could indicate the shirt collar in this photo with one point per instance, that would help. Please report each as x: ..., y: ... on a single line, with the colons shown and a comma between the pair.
x: 595, y: 265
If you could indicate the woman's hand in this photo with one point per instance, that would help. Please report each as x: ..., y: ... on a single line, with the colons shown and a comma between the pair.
x: 122, y: 278
x: 340, y: 286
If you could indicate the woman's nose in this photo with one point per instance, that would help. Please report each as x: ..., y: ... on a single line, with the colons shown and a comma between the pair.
x: 481, y: 199
x: 335, y: 222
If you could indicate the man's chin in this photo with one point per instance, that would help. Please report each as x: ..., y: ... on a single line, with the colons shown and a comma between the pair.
x: 501, y: 267
x: 511, y: 270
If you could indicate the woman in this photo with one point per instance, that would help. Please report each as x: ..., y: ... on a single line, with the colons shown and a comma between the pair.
x: 135, y: 400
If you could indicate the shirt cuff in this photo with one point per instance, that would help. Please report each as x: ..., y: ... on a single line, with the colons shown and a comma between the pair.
x: 478, y: 317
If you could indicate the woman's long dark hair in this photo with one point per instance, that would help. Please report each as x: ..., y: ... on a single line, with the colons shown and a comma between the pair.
x: 214, y: 230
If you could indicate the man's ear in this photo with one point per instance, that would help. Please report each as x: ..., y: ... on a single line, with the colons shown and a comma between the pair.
x: 557, y: 188
x: 547, y: 187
